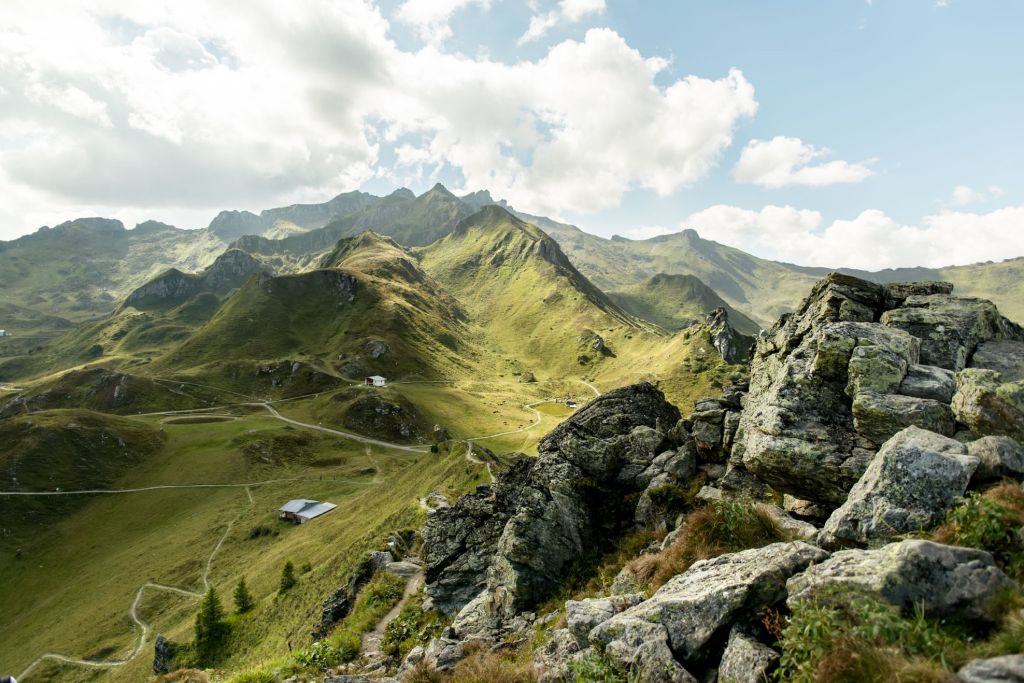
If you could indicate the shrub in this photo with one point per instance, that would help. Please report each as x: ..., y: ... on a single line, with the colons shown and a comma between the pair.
x: 254, y: 676
x: 411, y: 627
x: 319, y: 655
x: 989, y: 521
x: 594, y: 668
x: 287, y: 578
x: 845, y: 635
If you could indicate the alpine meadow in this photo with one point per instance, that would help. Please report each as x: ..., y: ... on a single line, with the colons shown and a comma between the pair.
x: 507, y: 341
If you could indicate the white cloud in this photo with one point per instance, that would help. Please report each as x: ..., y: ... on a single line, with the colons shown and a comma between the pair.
x: 871, y: 240
x: 430, y: 17
x: 166, y: 109
x: 784, y: 161
x: 963, y: 195
x: 567, y: 11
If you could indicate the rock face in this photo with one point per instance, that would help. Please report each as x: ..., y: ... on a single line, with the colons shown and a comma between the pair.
x: 230, y: 270
x: 163, y: 656
x: 952, y: 582
x: 988, y: 404
x: 682, y: 617
x: 509, y: 544
x: 731, y: 345
x: 909, y: 486
x: 855, y: 364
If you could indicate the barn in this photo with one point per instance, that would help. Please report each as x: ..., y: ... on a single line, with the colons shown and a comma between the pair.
x: 301, y: 510
x: 375, y: 381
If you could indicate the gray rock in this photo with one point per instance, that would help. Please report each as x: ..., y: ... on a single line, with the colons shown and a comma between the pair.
x: 583, y: 615
x: 404, y: 569
x: 951, y: 582
x: 950, y: 328
x: 514, y: 541
x: 746, y: 659
x: 909, y: 486
x: 998, y: 457
x: 1005, y: 669
x: 879, y: 416
x: 730, y: 344
x: 803, y: 508
x: 793, y: 528
x: 551, y: 661
x: 163, y: 656
x: 688, y: 611
x: 929, y: 381
x: 988, y: 404
x: 1003, y: 355
x: 709, y: 494
x: 626, y: 582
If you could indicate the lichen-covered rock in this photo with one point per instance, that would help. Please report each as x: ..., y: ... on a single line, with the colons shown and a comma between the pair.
x: 510, y: 544
x: 950, y: 328
x: 909, y: 486
x: 998, y: 457
x: 1005, y: 669
x: 689, y: 610
x: 730, y: 344
x: 583, y: 615
x: 879, y: 416
x: 950, y: 582
x: 746, y: 659
x: 551, y: 661
x: 856, y: 363
x: 988, y: 404
x: 929, y: 381
x: 1005, y: 356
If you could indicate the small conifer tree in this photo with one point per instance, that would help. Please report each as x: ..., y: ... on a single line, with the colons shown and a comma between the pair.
x: 287, y: 577
x: 243, y: 598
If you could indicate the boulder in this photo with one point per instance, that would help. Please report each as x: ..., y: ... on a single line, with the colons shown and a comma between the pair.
x: 583, y: 615
x: 879, y: 416
x: 746, y: 659
x: 951, y: 582
x: 691, y: 609
x: 551, y: 661
x: 163, y: 656
x: 1005, y: 669
x: 730, y: 344
x: 793, y: 528
x: 988, y: 404
x: 909, y: 486
x: 929, y: 381
x: 950, y: 328
x: 1004, y: 356
x: 998, y: 457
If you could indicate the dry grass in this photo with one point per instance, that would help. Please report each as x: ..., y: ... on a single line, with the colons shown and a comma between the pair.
x: 480, y: 665
x: 708, y: 531
x: 853, y: 662
x: 183, y: 676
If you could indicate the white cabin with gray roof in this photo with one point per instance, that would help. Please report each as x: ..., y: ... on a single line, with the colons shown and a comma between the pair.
x: 301, y: 510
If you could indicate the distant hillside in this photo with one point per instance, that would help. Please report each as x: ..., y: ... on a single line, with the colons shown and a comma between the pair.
x: 515, y: 281
x: 84, y: 268
x: 677, y: 301
x: 230, y: 225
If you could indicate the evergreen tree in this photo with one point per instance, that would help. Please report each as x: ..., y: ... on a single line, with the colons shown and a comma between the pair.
x: 287, y: 577
x: 243, y: 598
x: 210, y: 628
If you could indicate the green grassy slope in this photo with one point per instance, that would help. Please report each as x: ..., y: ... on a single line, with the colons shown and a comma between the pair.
x: 677, y: 301
x: 84, y: 268
x: 520, y: 288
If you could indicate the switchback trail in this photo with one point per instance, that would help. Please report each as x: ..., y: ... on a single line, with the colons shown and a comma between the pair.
x: 133, y: 610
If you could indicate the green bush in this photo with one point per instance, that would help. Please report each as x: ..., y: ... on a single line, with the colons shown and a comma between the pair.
x: 411, y: 627
x: 845, y: 635
x: 990, y: 521
x: 595, y: 668
x: 319, y: 655
x: 254, y: 676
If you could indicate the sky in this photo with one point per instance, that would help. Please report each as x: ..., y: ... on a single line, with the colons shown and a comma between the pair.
x: 856, y: 133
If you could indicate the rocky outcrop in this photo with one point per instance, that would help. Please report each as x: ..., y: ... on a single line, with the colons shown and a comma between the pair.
x: 730, y: 344
x: 516, y: 539
x: 951, y: 582
x: 337, y: 606
x: 230, y: 270
x: 685, y: 614
x: 163, y: 656
x: 855, y: 364
x: 582, y: 616
x: 909, y: 486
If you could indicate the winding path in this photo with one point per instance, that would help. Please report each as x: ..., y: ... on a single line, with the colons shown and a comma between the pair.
x: 133, y: 610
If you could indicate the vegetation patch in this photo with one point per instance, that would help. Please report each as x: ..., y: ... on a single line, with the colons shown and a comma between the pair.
x: 989, y: 521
